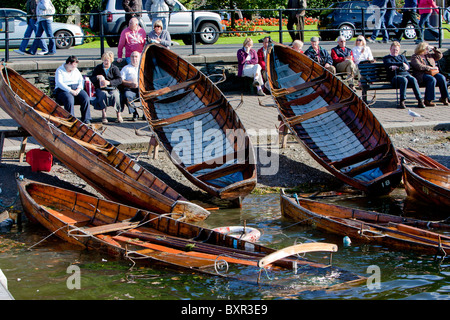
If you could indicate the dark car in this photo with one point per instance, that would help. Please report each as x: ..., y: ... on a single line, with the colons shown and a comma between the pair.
x: 345, y: 19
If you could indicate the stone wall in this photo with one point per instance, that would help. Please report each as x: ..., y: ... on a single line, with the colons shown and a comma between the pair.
x: 38, y: 74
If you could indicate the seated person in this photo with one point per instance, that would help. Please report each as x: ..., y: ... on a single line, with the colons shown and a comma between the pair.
x: 361, y: 52
x: 69, y: 89
x: 130, y: 85
x: 132, y: 39
x: 158, y: 35
x: 262, y: 56
x: 248, y: 65
x: 297, y: 45
x: 397, y: 68
x: 106, y: 78
x: 343, y: 59
x: 423, y: 62
x: 320, y: 55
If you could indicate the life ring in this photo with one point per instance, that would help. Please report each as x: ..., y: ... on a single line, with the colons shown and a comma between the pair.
x: 240, y: 232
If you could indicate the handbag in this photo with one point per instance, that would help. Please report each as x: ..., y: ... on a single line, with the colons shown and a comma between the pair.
x: 432, y: 72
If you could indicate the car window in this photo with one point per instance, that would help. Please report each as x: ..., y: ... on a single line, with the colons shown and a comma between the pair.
x: 356, y: 7
x: 345, y: 8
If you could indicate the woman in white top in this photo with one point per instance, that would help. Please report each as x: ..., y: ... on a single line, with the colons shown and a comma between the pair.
x: 69, y: 85
x: 361, y: 52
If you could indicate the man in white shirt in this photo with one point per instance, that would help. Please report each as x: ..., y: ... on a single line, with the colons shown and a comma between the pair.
x: 130, y: 84
x: 69, y: 89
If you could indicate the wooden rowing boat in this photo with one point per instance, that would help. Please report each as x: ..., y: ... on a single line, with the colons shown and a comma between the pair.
x: 196, y: 125
x: 109, y: 170
x: 428, y: 185
x: 418, y: 158
x: 333, y: 124
x: 141, y: 235
x: 368, y: 226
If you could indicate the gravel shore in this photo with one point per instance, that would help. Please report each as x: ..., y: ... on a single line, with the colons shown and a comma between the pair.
x: 296, y: 168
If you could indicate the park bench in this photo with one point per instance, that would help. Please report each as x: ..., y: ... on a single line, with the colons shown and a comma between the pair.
x: 373, y: 76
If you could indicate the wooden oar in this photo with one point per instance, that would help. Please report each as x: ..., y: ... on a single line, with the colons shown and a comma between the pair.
x: 296, y: 249
x: 65, y: 122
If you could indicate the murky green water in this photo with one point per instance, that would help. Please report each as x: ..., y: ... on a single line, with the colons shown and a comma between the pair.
x: 42, y: 272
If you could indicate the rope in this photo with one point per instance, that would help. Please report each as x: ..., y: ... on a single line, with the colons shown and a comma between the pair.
x: 29, y: 248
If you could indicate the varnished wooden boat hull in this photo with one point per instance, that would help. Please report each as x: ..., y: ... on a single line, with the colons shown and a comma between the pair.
x: 109, y: 170
x: 428, y: 185
x: 333, y: 124
x: 369, y: 227
x: 156, y: 238
x: 179, y: 99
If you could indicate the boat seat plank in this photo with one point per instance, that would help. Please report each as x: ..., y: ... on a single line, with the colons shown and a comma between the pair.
x: 222, y: 171
x: 186, y: 115
x: 358, y: 157
x: 110, y: 227
x: 285, y: 91
x: 212, y: 163
x: 74, y: 218
x: 367, y: 166
x: 332, y: 107
x: 152, y: 94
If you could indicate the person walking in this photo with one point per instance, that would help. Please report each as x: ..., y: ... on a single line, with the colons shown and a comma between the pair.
x: 133, y: 8
x: 69, y: 89
x: 380, y: 8
x: 297, y: 18
x: 31, y: 27
x: 426, y: 9
x: 45, y: 11
x: 409, y: 12
x: 159, y: 10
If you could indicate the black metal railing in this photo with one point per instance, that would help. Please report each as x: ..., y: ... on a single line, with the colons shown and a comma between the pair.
x: 280, y: 13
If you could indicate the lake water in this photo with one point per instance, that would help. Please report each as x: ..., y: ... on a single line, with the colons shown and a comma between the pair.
x: 42, y: 271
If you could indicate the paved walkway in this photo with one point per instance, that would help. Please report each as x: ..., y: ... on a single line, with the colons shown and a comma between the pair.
x: 257, y: 117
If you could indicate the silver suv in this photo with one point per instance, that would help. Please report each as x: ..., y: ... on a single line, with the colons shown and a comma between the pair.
x: 180, y: 23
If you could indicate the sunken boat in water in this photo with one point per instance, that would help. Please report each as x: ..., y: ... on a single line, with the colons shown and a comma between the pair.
x: 368, y: 226
x: 144, y: 236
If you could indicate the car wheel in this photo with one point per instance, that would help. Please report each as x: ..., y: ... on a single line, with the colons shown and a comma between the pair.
x: 410, y: 32
x: 64, y: 39
x: 347, y: 32
x: 209, y: 33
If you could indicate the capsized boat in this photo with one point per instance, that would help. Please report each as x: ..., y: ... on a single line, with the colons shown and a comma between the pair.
x: 141, y: 235
x: 428, y: 185
x: 368, y: 226
x: 112, y: 172
x: 333, y: 124
x: 196, y: 125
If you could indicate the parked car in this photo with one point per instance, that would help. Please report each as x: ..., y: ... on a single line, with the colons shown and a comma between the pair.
x: 66, y: 34
x: 180, y: 23
x: 346, y: 18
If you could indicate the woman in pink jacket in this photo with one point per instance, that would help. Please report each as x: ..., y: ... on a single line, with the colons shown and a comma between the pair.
x: 426, y: 8
x: 132, y: 39
x: 248, y: 65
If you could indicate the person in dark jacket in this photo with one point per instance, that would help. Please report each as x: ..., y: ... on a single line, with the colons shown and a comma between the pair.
x: 133, y: 8
x: 297, y: 18
x: 409, y: 12
x: 106, y: 79
x: 320, y: 55
x: 397, y: 68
